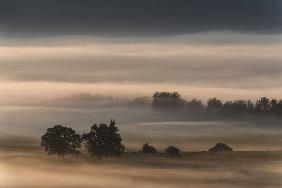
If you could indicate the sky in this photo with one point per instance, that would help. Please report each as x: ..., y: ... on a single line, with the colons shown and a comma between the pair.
x: 53, y: 49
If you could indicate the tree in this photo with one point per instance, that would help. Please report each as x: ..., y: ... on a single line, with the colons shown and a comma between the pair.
x: 250, y: 106
x: 236, y: 107
x: 276, y: 107
x: 103, y: 141
x: 262, y: 105
x: 61, y: 141
x: 214, y: 105
x: 148, y: 149
x: 221, y: 147
x: 172, y: 150
x: 195, y: 105
x: 167, y: 100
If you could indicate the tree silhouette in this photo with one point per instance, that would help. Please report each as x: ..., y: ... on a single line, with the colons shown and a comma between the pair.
x: 214, y: 105
x: 238, y: 107
x: 103, y: 141
x: 262, y: 105
x: 221, y: 147
x: 167, y: 100
x: 61, y: 141
x: 172, y: 150
x: 275, y: 107
x: 195, y: 104
x: 250, y: 106
x: 146, y: 148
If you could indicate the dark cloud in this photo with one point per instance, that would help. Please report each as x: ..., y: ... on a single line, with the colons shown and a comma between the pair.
x: 132, y: 17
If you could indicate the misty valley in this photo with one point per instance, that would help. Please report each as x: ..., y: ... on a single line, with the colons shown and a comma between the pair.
x: 140, y: 94
x: 179, y: 150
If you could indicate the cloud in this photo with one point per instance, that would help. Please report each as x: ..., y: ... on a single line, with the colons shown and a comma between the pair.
x: 202, y: 38
x: 138, y: 18
x: 196, y: 67
x: 227, y: 66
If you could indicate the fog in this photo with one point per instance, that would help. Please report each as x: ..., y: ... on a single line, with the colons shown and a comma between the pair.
x: 28, y: 168
x: 78, y: 63
x: 23, y: 163
x: 226, y: 64
x: 79, y: 80
x: 139, y: 123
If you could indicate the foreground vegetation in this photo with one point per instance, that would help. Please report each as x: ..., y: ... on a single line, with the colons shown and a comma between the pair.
x: 102, y: 141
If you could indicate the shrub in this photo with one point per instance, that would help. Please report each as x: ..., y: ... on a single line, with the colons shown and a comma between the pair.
x: 148, y: 149
x: 171, y: 150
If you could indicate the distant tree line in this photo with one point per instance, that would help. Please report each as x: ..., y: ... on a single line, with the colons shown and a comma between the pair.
x: 103, y: 140
x: 216, y: 107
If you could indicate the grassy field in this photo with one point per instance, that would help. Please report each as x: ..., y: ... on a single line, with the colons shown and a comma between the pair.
x: 29, y: 167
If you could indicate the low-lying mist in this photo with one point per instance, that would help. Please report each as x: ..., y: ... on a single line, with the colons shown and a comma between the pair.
x: 138, y: 122
x: 25, y: 125
x: 32, y: 169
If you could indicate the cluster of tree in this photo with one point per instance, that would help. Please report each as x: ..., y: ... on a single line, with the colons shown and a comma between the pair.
x: 169, y: 100
x: 215, y: 106
x: 102, y: 141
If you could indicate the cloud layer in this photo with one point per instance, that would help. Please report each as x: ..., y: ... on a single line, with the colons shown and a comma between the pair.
x: 226, y: 65
x: 132, y: 17
x: 67, y: 65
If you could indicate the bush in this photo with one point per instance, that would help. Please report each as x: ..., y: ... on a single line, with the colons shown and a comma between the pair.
x: 148, y: 149
x: 221, y: 147
x: 171, y: 150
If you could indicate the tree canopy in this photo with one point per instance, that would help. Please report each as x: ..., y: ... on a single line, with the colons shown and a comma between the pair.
x: 61, y: 141
x: 167, y: 100
x: 103, y: 140
x: 215, y: 107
